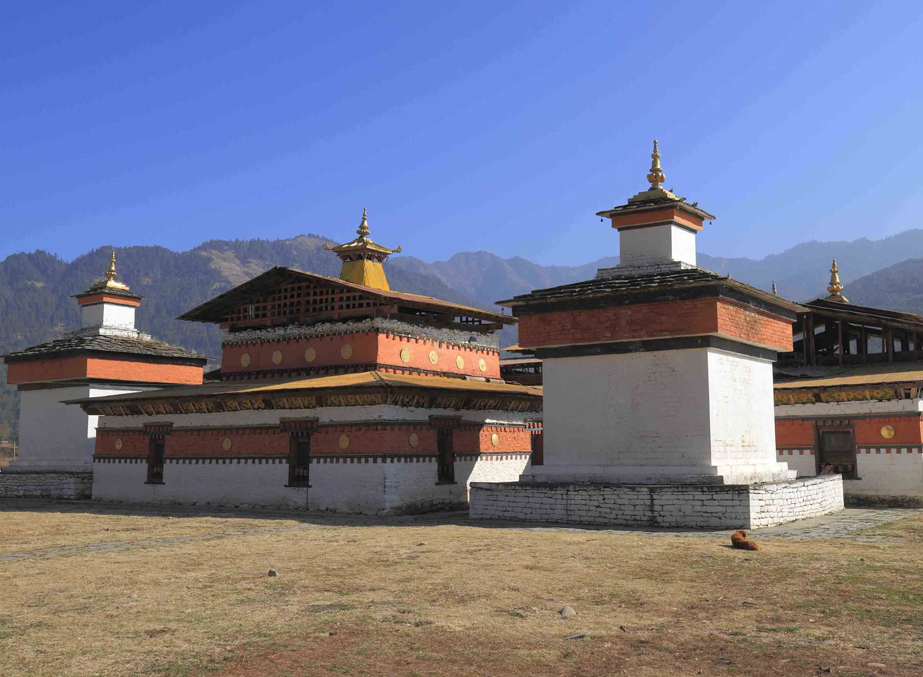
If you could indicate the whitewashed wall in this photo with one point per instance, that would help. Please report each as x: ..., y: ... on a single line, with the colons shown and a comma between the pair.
x: 845, y: 409
x: 339, y: 485
x: 57, y: 436
x: 656, y: 245
x: 885, y: 472
x: 658, y: 414
x: 741, y: 414
x: 800, y: 460
x: 109, y: 315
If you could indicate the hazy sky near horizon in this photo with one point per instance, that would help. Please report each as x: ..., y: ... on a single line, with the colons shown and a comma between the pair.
x: 471, y: 126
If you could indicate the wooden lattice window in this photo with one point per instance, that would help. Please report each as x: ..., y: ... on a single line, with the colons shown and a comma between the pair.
x: 297, y: 302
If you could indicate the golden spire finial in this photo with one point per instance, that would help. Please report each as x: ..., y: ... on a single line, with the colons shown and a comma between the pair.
x: 109, y: 282
x: 656, y: 177
x: 835, y: 288
x: 110, y: 272
x: 364, y: 226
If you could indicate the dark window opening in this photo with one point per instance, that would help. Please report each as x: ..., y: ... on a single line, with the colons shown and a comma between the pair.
x: 155, y: 458
x: 538, y: 448
x: 299, y: 461
x: 446, y: 453
x: 837, y: 453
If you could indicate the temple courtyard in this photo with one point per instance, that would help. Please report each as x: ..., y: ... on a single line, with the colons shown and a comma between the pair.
x: 92, y: 589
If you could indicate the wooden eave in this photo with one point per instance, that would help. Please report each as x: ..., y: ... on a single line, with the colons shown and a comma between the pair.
x: 217, y: 308
x: 362, y: 389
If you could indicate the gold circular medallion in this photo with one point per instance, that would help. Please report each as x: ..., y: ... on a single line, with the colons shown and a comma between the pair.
x: 405, y: 355
x: 482, y: 364
x: 277, y: 357
x: 433, y: 356
x: 495, y: 440
x: 344, y: 441
x: 310, y: 354
x: 414, y: 440
x: 346, y: 351
x: 118, y: 445
x: 887, y: 432
x: 226, y: 445
x: 245, y: 360
x: 460, y: 362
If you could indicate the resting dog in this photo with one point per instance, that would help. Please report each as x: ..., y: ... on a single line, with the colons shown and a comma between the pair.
x: 739, y: 540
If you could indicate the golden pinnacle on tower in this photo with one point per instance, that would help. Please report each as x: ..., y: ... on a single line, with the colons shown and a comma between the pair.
x: 656, y: 177
x: 364, y: 226
x: 110, y: 272
x: 835, y: 288
x: 362, y: 258
x: 109, y: 282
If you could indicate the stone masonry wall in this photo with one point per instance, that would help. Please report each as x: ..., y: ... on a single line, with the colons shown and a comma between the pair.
x: 778, y: 502
x: 46, y: 484
x: 697, y: 506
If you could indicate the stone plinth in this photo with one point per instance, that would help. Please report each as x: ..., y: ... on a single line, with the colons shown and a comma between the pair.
x: 741, y: 506
x: 45, y: 484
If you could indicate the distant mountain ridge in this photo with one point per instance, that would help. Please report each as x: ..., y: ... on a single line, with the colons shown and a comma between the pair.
x: 801, y: 273
x: 35, y: 288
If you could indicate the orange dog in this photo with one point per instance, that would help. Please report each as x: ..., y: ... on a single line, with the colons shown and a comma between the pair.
x: 739, y: 540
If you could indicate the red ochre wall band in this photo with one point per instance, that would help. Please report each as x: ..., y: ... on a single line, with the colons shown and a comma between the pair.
x: 908, y: 430
x: 108, y: 298
x: 364, y: 348
x: 104, y: 368
x: 657, y: 216
x: 669, y: 319
x: 271, y: 442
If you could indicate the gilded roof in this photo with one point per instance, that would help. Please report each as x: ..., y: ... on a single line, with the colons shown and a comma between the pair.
x: 855, y: 376
x: 365, y: 379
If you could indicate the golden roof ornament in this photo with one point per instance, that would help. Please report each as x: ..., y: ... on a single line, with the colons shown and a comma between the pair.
x: 362, y: 258
x: 656, y: 177
x: 364, y: 225
x: 835, y: 288
x: 110, y: 282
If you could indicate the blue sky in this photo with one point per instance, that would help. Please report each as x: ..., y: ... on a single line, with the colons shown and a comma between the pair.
x: 495, y: 126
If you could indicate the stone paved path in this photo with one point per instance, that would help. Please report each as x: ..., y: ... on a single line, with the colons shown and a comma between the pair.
x: 846, y: 524
x: 850, y: 524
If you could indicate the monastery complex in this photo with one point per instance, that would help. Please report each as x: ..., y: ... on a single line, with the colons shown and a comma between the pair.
x: 656, y: 393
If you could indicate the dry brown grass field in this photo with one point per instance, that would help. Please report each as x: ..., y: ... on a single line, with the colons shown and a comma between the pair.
x: 104, y: 592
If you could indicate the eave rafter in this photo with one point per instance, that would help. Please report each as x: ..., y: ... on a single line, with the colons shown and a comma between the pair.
x: 411, y: 398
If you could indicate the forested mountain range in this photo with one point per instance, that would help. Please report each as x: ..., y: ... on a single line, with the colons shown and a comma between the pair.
x: 36, y: 288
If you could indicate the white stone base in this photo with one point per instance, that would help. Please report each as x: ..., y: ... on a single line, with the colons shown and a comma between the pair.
x: 45, y: 484
x: 746, y: 506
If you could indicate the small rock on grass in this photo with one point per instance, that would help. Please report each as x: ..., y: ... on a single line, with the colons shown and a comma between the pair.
x: 273, y: 573
x: 568, y: 612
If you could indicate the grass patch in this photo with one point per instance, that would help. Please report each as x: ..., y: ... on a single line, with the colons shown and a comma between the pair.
x: 361, y: 598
